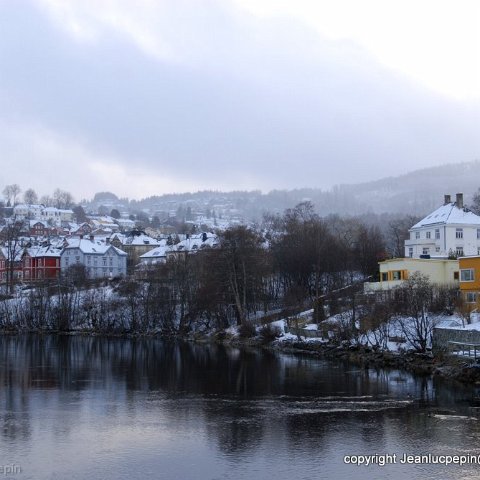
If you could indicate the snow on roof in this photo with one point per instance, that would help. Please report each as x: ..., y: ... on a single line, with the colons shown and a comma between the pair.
x: 141, y: 239
x: 158, y: 252
x: 95, y: 247
x: 34, y: 222
x: 449, y: 214
x: 197, y: 242
x: 44, y: 251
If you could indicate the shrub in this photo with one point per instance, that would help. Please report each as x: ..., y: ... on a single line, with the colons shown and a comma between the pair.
x: 247, y: 330
x: 269, y: 333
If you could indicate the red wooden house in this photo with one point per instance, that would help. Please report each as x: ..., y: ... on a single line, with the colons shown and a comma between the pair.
x: 4, y: 265
x: 41, y: 263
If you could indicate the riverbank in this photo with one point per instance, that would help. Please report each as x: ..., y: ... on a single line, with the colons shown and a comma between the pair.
x: 428, y: 364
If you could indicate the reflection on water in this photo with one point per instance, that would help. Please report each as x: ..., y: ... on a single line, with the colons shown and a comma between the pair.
x: 73, y: 407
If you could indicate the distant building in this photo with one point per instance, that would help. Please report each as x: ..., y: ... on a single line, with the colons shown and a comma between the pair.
x: 52, y: 215
x: 100, y: 258
x: 135, y: 244
x: 56, y: 215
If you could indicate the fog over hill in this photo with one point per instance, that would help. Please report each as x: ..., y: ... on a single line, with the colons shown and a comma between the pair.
x: 414, y: 193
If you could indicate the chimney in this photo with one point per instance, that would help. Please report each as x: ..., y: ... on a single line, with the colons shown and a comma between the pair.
x: 459, y: 200
x: 448, y: 199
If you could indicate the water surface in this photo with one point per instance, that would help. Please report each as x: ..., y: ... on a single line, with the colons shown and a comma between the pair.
x: 88, y: 408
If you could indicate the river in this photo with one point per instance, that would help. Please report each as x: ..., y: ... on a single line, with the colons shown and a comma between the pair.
x: 98, y: 408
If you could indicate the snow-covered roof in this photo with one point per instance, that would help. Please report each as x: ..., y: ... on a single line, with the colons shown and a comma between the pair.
x: 197, y: 242
x: 158, y: 252
x: 44, y: 251
x: 449, y: 214
x: 57, y: 210
x: 97, y: 247
x: 34, y: 222
x: 136, y: 240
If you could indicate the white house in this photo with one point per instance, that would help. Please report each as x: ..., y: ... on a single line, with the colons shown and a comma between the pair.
x: 23, y: 211
x: 56, y: 215
x: 100, y: 258
x: 451, y: 229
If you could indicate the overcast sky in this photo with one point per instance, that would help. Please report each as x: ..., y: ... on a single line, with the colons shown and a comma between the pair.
x: 149, y: 97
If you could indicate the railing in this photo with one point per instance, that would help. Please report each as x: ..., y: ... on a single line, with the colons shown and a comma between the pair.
x: 470, y: 350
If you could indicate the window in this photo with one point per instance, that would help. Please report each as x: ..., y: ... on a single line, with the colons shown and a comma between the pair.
x: 459, y: 251
x: 455, y: 275
x: 471, y: 297
x: 437, y: 233
x: 384, y: 276
x: 459, y: 233
x: 410, y: 252
x: 429, y: 234
x: 397, y: 275
x: 417, y: 235
x: 437, y: 249
x: 478, y: 233
x: 467, y: 275
x: 425, y: 251
x: 104, y: 261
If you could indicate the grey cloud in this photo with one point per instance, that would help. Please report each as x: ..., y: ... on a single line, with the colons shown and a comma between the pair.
x: 267, y: 98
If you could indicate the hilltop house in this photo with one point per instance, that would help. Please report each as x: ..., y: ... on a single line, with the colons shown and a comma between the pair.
x: 452, y: 230
x: 435, y: 242
x: 100, y: 258
x: 55, y: 216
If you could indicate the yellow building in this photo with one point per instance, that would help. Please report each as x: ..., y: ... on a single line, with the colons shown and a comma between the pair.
x: 394, y: 271
x: 470, y: 279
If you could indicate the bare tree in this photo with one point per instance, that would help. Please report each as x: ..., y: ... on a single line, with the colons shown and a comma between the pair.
x: 13, y: 247
x: 46, y: 200
x: 415, y: 296
x: 242, y: 261
x: 475, y: 206
x: 11, y: 193
x: 62, y: 199
x: 30, y: 197
x: 398, y: 233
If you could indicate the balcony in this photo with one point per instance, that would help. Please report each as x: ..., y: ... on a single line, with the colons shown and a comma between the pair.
x: 424, y: 242
x: 370, y: 287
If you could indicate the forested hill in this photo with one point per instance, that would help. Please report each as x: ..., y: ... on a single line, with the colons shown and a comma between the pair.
x: 414, y: 193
